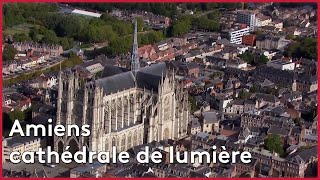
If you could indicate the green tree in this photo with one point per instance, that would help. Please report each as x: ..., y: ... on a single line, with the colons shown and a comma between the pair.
x: 140, y: 23
x: 247, y: 57
x: 72, y: 54
x: 203, y: 23
x: 50, y: 37
x: 71, y: 26
x: 262, y: 60
x: 66, y: 43
x: 33, y: 34
x: 244, y: 95
x: 193, y: 103
x: 21, y: 37
x: 215, y: 15
x: 290, y: 36
x: 8, y: 52
x: 305, y: 48
x: 151, y: 37
x: 181, y: 27
x: 274, y: 143
x: 16, y: 114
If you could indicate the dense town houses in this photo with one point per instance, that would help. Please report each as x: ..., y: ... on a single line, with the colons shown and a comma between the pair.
x: 53, y: 50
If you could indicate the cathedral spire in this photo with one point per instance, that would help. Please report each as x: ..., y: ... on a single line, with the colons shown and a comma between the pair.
x: 135, y: 64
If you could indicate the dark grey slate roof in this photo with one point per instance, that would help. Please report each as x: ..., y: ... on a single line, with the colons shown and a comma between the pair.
x: 210, y: 117
x: 195, y: 123
x: 117, y: 82
x: 110, y: 70
x: 148, y: 77
x: 155, y: 69
x: 304, y: 155
x: 279, y: 130
x: 148, y: 81
x: 267, y: 97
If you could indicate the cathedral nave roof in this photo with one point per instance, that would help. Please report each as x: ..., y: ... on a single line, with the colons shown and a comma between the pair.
x: 148, y: 77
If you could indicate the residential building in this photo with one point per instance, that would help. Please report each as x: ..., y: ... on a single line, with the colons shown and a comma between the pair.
x: 306, y: 84
x: 211, y: 121
x: 248, y: 39
x: 19, y: 144
x: 262, y: 20
x: 269, y: 42
x: 14, y: 100
x: 282, y: 65
x: 53, y: 50
x: 194, y: 126
x: 248, y: 18
x: 145, y: 52
x: 236, y: 63
x: 234, y: 35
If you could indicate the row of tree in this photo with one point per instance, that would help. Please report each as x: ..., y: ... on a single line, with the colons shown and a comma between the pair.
x: 165, y: 9
x: 56, y: 28
x: 185, y: 24
x: 123, y: 44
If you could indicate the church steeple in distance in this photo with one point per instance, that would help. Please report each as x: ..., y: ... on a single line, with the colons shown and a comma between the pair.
x: 135, y: 64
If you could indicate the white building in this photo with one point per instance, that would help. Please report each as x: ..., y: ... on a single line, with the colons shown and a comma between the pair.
x: 236, y: 63
x: 283, y: 65
x: 235, y: 35
x: 211, y: 122
x: 86, y: 13
x: 262, y: 20
x: 248, y: 18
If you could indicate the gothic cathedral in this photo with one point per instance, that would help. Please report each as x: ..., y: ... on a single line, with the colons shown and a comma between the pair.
x: 123, y: 108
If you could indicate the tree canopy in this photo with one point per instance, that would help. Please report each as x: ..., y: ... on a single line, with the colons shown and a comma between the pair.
x: 305, y: 48
x: 57, y: 28
x: 193, y: 103
x: 8, y: 52
x: 120, y: 45
x: 247, y: 57
x: 16, y: 115
x: 262, y: 60
x: 274, y: 143
x: 184, y: 24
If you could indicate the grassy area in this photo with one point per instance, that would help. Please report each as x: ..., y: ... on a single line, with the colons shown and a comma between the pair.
x: 88, y: 45
x: 18, y: 29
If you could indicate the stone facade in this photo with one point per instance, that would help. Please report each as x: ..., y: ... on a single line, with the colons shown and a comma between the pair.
x: 124, y: 118
x: 123, y: 109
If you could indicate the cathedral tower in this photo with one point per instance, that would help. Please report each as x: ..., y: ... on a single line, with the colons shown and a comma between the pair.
x: 135, y: 64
